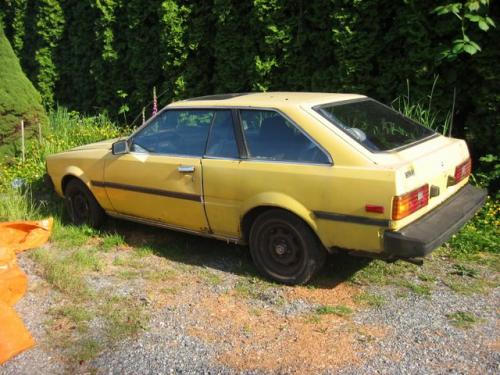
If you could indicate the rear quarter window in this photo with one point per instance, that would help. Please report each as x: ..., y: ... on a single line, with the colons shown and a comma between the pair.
x: 374, y: 125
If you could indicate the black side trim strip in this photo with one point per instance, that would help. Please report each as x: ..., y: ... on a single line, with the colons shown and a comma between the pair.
x: 140, y: 189
x: 351, y: 219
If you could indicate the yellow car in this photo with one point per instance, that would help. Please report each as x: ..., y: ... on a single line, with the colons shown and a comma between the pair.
x: 293, y: 175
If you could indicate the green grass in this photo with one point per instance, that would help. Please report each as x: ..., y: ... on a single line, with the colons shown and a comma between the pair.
x: 463, y: 319
x: 61, y: 272
x: 162, y: 274
x: 464, y: 270
x: 468, y: 287
x: 421, y: 110
x: 339, y: 310
x: 18, y: 204
x: 85, y: 349
x: 124, y: 317
x: 111, y: 241
x: 370, y: 299
x: 78, y: 314
x: 70, y: 236
x: 419, y: 289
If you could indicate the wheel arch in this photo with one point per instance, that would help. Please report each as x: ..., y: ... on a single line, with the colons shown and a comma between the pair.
x: 269, y: 201
x: 73, y: 173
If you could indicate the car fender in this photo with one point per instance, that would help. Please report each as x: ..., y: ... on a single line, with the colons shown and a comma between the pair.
x: 280, y: 200
x: 76, y: 172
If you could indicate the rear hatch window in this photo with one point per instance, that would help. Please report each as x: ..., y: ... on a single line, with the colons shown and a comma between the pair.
x: 374, y: 125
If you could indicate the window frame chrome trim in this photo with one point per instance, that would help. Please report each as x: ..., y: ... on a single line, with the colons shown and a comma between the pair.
x: 238, y: 109
x: 300, y: 129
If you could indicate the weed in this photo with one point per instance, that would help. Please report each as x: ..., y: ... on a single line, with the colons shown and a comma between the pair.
x: 78, y: 314
x: 211, y: 277
x: 462, y: 270
x: 427, y: 277
x: 339, y: 310
x: 85, y: 259
x: 373, y: 300
x: 128, y: 274
x: 111, y: 241
x: 85, y: 349
x: 255, y: 311
x: 61, y: 273
x: 420, y: 289
x: 314, y: 318
x: 70, y: 236
x: 170, y: 290
x: 18, y: 204
x: 474, y: 286
x: 124, y: 317
x: 144, y: 251
x: 462, y: 319
x: 160, y: 275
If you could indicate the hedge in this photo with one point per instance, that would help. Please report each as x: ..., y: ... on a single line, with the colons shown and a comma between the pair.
x: 107, y: 55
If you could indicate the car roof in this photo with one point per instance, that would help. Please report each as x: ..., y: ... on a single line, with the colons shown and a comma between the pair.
x: 265, y: 99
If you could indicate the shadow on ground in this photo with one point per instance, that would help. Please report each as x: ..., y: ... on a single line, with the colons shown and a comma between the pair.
x: 216, y: 254
x: 205, y: 252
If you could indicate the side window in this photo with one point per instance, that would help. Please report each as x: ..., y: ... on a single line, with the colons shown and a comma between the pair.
x: 179, y: 132
x: 221, y: 141
x: 270, y: 136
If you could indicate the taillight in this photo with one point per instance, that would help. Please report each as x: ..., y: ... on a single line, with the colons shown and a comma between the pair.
x: 463, y: 170
x: 408, y: 203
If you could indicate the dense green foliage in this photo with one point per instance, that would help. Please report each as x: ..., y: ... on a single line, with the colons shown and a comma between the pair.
x: 65, y: 130
x: 18, y: 100
x: 94, y: 55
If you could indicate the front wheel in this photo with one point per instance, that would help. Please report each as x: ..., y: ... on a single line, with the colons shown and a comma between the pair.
x: 81, y: 205
x: 284, y: 248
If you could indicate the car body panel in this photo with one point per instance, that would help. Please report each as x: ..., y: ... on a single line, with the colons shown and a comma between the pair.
x: 330, y: 198
x: 151, y: 186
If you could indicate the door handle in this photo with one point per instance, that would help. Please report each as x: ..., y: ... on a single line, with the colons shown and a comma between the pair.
x: 185, y: 168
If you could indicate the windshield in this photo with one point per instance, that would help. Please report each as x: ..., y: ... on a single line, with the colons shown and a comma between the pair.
x: 375, y: 126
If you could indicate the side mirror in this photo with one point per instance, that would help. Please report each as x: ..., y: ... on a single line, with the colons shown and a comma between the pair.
x: 120, y: 147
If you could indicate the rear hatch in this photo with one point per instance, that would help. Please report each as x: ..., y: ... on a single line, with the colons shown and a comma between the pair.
x: 431, y: 163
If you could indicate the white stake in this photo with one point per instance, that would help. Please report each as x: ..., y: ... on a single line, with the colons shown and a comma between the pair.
x: 22, y: 139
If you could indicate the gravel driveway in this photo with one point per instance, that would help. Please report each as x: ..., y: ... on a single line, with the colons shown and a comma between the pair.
x: 209, y: 328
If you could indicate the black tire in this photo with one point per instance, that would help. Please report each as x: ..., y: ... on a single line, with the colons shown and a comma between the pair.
x: 284, y: 248
x: 81, y: 205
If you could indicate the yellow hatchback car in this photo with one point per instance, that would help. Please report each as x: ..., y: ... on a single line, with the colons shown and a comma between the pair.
x: 294, y: 175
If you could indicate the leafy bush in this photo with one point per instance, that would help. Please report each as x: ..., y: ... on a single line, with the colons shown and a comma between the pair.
x: 19, y: 100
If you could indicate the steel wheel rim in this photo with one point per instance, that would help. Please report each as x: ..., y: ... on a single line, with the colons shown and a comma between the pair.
x: 281, y: 249
x: 80, y: 208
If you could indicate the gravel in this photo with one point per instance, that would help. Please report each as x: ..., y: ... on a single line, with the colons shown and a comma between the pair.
x: 418, y: 338
x: 422, y: 340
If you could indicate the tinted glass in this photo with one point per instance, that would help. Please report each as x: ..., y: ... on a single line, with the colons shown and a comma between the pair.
x: 221, y: 141
x: 374, y: 125
x: 178, y: 132
x: 271, y: 136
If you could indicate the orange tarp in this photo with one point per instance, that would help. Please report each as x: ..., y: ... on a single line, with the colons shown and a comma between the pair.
x: 14, y: 238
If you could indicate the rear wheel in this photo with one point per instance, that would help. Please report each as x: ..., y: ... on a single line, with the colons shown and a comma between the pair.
x: 284, y: 248
x: 81, y: 205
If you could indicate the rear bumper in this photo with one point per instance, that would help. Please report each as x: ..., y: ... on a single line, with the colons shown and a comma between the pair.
x: 419, y: 238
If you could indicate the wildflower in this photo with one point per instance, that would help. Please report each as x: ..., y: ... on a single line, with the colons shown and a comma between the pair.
x: 17, y: 183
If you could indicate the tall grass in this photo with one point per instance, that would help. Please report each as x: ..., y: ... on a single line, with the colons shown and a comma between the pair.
x: 65, y: 130
x: 421, y: 110
x: 18, y: 204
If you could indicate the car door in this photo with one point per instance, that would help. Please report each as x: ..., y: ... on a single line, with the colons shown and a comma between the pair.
x: 160, y: 178
x: 277, y: 159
